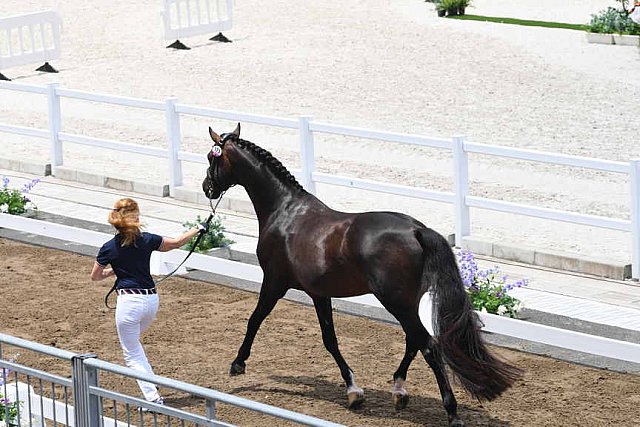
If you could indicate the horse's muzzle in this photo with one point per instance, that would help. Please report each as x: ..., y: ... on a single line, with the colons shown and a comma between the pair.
x: 209, y: 190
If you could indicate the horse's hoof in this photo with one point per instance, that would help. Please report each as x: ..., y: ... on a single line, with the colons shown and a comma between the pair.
x: 457, y: 422
x: 400, y: 400
x: 355, y: 397
x: 237, y: 369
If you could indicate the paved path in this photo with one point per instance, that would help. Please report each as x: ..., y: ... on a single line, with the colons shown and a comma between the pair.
x: 602, y: 301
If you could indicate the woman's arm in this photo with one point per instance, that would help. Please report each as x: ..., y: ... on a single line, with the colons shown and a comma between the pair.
x: 169, y: 243
x: 100, y: 272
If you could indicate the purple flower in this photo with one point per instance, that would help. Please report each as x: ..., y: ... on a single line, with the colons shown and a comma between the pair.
x: 5, y: 182
x: 29, y: 185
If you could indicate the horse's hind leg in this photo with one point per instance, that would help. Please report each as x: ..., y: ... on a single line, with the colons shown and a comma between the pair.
x: 399, y: 393
x: 355, y: 394
x: 267, y: 300
x: 418, y: 339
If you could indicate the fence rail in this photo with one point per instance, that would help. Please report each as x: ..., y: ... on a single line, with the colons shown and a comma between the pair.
x: 84, y: 406
x: 460, y: 197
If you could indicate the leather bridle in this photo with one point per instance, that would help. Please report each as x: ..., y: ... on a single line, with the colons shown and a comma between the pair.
x: 215, y: 157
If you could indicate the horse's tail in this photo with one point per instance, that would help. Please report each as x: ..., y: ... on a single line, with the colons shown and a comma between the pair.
x: 457, y: 326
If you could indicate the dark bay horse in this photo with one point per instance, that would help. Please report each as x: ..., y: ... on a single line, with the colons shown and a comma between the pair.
x: 305, y: 245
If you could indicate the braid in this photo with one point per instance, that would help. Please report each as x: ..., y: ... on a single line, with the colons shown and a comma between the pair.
x: 274, y: 165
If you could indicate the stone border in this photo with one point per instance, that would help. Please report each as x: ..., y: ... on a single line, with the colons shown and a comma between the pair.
x: 618, y: 39
x: 25, y: 167
x: 548, y: 259
x: 68, y: 174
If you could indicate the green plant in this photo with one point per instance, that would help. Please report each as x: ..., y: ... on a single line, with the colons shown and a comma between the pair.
x: 449, y: 4
x: 612, y: 20
x: 488, y: 289
x: 213, y: 238
x: 8, y: 410
x: 14, y: 201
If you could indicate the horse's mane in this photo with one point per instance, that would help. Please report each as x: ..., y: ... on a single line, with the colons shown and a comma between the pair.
x: 274, y: 165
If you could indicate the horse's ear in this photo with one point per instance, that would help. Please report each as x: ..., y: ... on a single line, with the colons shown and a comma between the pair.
x: 237, y: 131
x: 214, y: 136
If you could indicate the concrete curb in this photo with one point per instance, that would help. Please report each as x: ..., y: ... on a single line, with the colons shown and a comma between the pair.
x: 549, y: 259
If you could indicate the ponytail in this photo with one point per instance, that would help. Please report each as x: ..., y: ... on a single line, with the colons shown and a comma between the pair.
x: 125, y: 218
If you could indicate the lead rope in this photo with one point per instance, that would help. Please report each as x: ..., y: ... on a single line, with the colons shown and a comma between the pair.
x: 195, y: 245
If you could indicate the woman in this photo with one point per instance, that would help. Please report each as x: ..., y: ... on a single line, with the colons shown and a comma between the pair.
x: 128, y: 254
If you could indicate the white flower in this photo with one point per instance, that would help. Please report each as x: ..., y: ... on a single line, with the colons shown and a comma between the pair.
x: 2, y: 423
x: 484, y: 310
x: 4, y: 208
x: 518, y: 306
x: 502, y: 310
x: 28, y: 205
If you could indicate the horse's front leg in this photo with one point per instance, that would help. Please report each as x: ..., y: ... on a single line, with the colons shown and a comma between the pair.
x: 355, y: 394
x: 269, y: 296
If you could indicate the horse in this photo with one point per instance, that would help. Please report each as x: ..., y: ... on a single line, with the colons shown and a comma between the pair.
x: 304, y: 244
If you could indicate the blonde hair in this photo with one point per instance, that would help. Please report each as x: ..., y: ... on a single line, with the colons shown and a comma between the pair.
x: 125, y: 218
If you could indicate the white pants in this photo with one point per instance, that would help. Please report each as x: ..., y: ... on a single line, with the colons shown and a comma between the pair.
x: 134, y: 314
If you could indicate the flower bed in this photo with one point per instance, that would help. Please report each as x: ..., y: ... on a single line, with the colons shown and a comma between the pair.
x: 14, y: 201
x: 489, y: 288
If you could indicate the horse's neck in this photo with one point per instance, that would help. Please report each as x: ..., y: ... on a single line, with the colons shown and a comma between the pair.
x: 268, y: 194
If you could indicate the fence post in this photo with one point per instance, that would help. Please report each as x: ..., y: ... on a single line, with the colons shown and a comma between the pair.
x: 461, y: 188
x: 211, y: 409
x: 173, y: 144
x: 307, y: 159
x: 55, y: 124
x: 86, y: 409
x: 635, y: 218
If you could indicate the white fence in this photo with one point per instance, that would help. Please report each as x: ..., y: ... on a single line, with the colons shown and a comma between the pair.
x: 187, y: 18
x: 29, y: 38
x: 590, y: 344
x: 460, y: 198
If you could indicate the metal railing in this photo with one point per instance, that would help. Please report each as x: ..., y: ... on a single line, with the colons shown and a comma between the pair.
x: 80, y: 400
x: 459, y: 197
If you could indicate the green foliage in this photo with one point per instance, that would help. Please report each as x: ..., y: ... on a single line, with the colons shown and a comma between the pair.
x: 213, y: 238
x: 612, y: 20
x: 452, y: 4
x: 8, y: 410
x: 14, y: 201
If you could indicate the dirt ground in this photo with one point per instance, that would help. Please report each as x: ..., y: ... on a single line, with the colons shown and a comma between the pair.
x: 47, y: 297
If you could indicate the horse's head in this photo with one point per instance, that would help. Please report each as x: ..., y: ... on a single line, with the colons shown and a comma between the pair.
x: 219, y: 177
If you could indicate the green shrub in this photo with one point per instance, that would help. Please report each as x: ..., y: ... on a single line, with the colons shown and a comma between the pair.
x: 213, y: 238
x: 14, y: 201
x: 452, y: 4
x: 612, y: 20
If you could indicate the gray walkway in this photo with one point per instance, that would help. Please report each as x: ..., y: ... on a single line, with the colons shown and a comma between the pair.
x: 602, y: 301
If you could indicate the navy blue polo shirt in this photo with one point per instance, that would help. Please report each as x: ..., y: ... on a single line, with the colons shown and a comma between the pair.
x: 130, y: 263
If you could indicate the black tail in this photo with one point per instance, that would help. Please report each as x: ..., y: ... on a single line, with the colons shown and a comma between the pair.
x: 456, y: 324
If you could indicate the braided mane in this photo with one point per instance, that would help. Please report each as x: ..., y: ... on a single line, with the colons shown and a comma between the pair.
x: 272, y: 163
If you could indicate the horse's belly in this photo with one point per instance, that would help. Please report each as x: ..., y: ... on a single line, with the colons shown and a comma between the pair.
x: 338, y: 283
